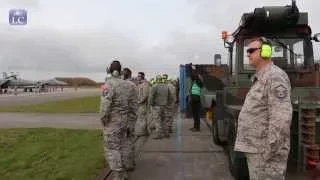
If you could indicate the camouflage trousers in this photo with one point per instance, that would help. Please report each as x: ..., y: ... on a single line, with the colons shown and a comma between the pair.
x: 261, y: 168
x: 119, y: 175
x: 170, y: 115
x: 129, y: 150
x: 160, y: 117
x: 114, y: 140
x: 150, y: 123
x: 141, y: 124
x: 119, y: 148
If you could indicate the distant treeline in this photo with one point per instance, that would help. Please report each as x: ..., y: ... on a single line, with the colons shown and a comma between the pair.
x: 78, y: 81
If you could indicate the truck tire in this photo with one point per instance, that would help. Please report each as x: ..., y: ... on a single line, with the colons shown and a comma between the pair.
x: 237, y: 161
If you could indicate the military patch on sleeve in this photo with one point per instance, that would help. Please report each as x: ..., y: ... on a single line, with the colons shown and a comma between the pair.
x: 280, y: 91
x: 104, y: 90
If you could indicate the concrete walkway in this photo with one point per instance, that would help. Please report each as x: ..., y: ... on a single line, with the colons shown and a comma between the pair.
x: 185, y: 155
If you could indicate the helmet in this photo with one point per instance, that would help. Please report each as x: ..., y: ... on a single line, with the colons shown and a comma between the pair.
x: 127, y: 73
x: 165, y: 76
x: 158, y: 78
x: 114, y: 66
x: 152, y: 82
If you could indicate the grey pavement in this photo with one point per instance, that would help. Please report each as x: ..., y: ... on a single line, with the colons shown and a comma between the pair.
x: 185, y: 155
x: 38, y: 120
x: 7, y: 100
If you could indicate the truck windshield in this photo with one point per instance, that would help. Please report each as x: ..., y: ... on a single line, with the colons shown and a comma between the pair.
x: 287, y: 53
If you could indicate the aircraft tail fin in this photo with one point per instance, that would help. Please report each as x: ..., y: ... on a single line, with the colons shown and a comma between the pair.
x: 5, y: 75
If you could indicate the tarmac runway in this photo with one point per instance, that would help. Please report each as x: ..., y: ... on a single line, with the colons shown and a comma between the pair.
x: 37, y: 98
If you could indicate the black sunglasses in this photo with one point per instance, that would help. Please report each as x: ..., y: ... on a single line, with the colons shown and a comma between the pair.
x: 251, y: 50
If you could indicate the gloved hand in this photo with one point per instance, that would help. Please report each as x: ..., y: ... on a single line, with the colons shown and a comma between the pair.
x: 130, y: 131
x: 104, y: 121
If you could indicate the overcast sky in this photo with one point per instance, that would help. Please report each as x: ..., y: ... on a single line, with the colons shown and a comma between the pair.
x: 80, y: 37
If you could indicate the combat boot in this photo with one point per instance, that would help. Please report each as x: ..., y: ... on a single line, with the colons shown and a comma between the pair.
x: 125, y: 175
x: 157, y: 137
x: 167, y: 135
x: 195, y: 130
x: 132, y: 167
x: 120, y: 175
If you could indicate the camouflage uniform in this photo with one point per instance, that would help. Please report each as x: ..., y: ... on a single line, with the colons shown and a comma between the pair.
x: 129, y: 145
x: 141, y: 124
x: 117, y: 109
x: 150, y: 124
x: 264, y: 124
x: 171, y: 108
x: 159, y: 98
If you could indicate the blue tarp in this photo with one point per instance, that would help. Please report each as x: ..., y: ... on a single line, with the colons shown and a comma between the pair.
x: 182, y: 92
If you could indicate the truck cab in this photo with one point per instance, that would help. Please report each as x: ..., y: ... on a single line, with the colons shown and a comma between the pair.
x: 289, y: 32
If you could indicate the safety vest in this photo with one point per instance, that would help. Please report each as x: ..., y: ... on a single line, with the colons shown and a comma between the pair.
x: 195, y: 89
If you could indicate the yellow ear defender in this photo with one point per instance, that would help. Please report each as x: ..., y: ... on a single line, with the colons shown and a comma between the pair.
x: 266, y: 48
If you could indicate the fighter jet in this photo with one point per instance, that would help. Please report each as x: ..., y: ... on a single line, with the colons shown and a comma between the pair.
x: 51, y: 82
x: 43, y: 85
x: 12, y: 81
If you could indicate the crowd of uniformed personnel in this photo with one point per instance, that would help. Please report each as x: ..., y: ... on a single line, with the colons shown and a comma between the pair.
x: 132, y: 108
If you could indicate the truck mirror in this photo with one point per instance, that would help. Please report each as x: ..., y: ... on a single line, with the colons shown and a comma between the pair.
x: 316, y: 37
x: 299, y: 60
x: 217, y: 59
x: 218, y: 62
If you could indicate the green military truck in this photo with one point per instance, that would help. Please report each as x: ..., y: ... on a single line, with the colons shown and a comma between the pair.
x: 292, y: 40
